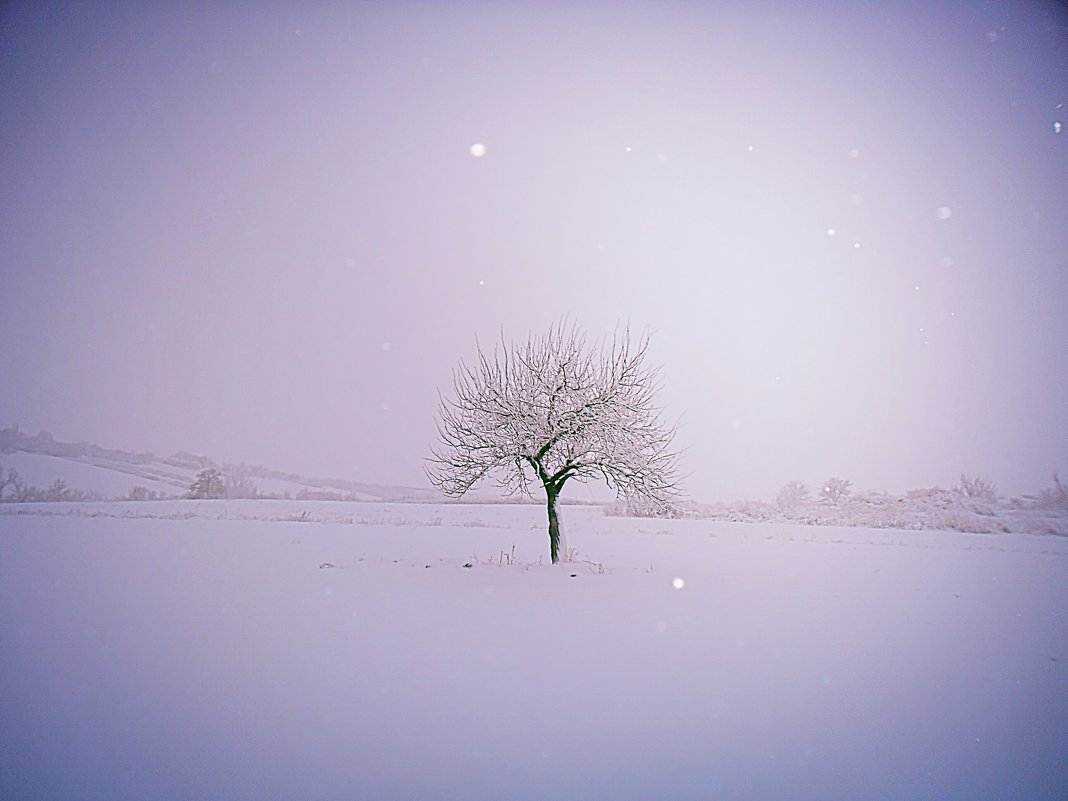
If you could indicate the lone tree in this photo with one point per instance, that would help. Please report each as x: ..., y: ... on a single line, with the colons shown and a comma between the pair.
x: 209, y: 483
x: 551, y: 409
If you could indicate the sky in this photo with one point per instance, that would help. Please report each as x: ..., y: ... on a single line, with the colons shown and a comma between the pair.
x: 264, y: 232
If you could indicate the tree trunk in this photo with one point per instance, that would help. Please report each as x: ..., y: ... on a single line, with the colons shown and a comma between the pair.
x: 557, y: 539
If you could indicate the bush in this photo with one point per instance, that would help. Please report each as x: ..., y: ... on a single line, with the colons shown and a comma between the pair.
x: 1054, y: 498
x: 638, y: 506
x: 140, y: 493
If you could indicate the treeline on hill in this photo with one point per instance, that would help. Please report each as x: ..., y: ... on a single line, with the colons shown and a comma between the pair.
x: 973, y: 505
x: 11, y: 440
x: 210, y: 483
x: 240, y: 479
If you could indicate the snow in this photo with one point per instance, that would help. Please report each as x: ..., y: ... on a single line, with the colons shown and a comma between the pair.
x: 107, y: 477
x: 283, y: 649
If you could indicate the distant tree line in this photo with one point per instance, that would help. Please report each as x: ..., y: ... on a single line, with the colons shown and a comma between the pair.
x: 972, y: 505
x: 12, y: 439
x: 13, y: 489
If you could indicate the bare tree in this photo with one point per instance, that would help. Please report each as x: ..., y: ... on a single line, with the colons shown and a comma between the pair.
x: 792, y: 496
x: 58, y: 491
x: 11, y: 479
x: 552, y: 409
x: 977, y: 487
x: 834, y: 490
x: 239, y: 485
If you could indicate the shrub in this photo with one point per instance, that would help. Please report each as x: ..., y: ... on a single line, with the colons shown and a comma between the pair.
x: 1055, y: 497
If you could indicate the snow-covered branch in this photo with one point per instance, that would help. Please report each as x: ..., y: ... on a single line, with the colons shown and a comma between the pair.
x: 553, y: 408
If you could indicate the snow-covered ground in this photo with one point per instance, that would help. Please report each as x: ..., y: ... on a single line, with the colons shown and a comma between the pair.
x: 285, y: 650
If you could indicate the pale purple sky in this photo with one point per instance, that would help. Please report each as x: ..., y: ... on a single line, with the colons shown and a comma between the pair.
x: 257, y: 231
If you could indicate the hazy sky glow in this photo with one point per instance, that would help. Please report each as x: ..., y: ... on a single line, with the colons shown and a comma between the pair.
x: 260, y: 231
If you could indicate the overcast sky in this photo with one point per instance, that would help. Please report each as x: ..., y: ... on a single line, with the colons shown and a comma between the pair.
x: 259, y: 232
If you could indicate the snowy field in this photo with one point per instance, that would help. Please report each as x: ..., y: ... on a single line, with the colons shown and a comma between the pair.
x: 295, y: 650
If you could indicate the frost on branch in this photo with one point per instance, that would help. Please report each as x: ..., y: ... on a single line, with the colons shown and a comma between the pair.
x: 834, y: 490
x: 551, y: 409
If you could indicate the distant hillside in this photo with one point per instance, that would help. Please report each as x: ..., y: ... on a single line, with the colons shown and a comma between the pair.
x: 50, y: 470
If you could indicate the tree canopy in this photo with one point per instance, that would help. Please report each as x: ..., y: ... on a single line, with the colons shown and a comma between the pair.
x: 554, y: 408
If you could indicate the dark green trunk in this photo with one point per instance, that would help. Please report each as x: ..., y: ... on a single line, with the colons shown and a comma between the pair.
x: 551, y: 497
